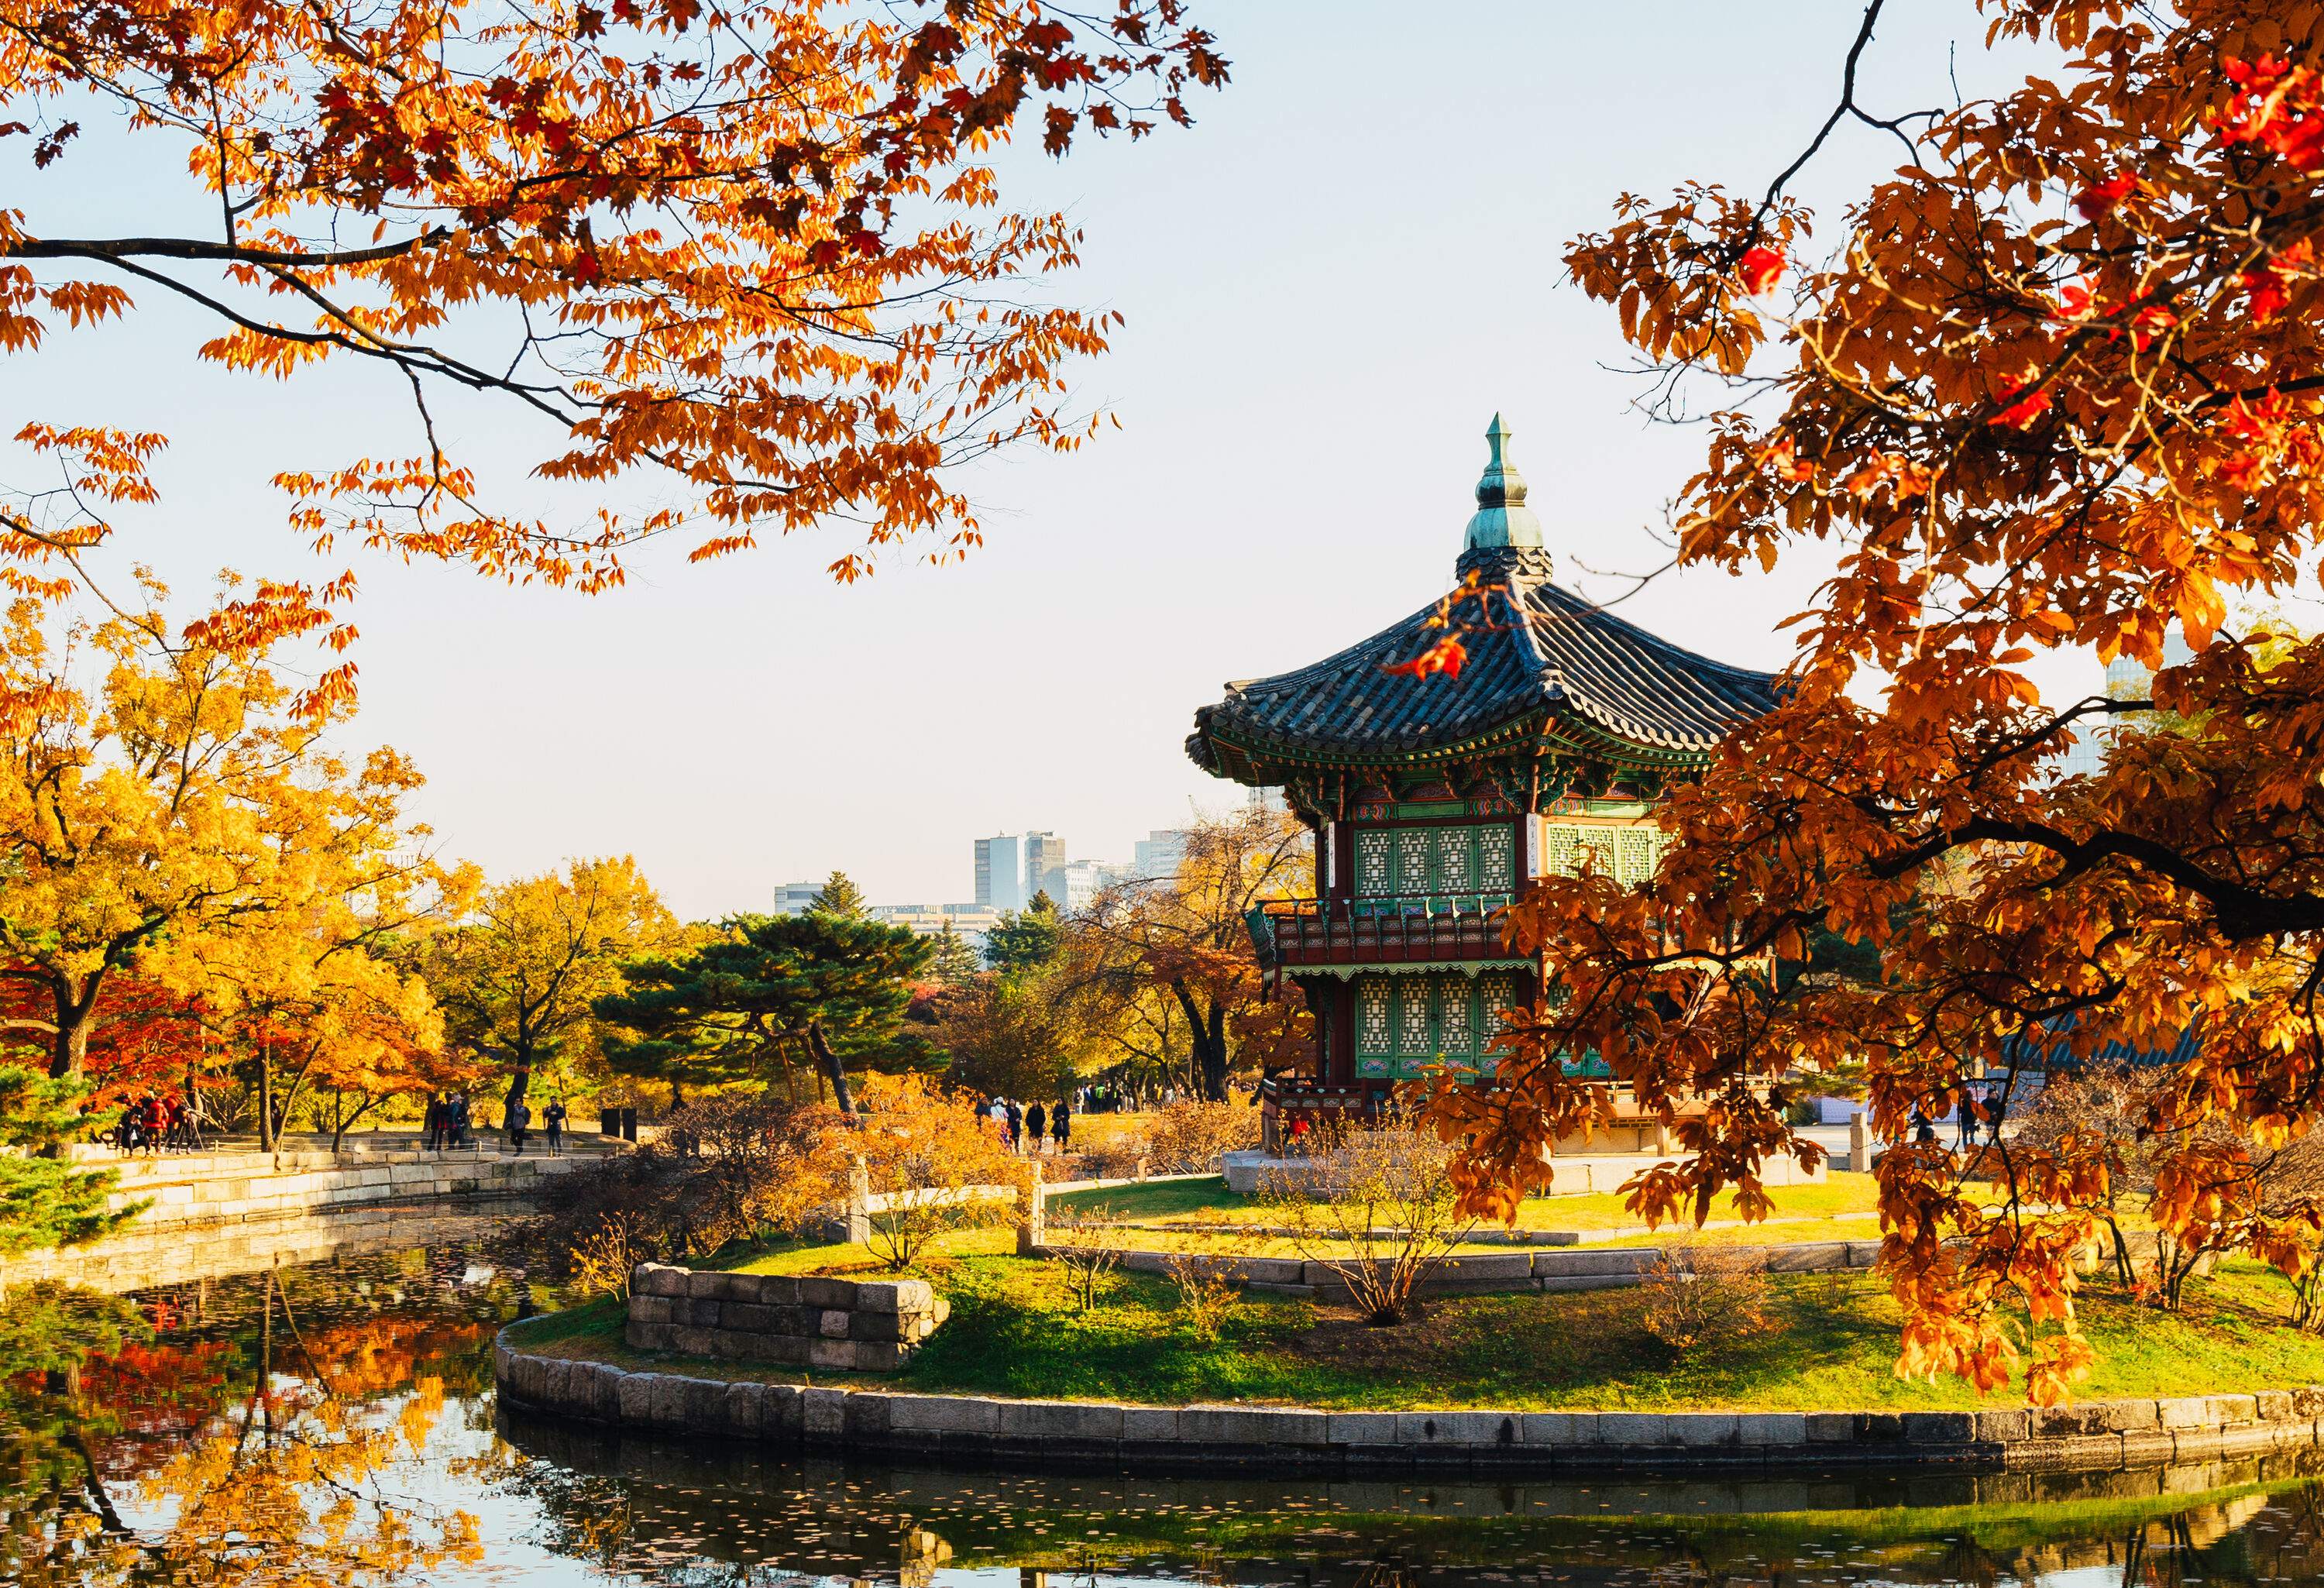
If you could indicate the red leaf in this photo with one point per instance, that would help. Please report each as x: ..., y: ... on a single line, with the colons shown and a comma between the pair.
x: 1447, y: 656
x: 2100, y: 198
x: 1759, y: 269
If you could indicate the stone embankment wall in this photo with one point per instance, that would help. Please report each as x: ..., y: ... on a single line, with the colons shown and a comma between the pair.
x: 814, y: 1321
x: 2099, y: 1435
x: 212, y: 1210
x: 1577, y: 1172
x: 1568, y: 1269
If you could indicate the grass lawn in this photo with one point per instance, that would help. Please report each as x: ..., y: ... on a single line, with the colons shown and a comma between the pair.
x: 1840, y: 1209
x: 1014, y: 1332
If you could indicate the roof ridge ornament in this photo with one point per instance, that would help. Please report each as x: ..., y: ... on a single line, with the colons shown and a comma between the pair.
x: 1502, y: 521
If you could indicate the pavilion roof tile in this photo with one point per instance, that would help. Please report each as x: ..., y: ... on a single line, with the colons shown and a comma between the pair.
x: 1541, y: 651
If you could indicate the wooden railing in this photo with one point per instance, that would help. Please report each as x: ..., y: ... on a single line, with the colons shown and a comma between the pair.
x: 1290, y: 933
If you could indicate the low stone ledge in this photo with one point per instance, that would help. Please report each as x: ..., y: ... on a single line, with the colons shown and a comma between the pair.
x: 812, y: 1321
x: 2093, y: 1436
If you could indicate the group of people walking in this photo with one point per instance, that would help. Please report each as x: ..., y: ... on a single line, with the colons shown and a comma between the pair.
x: 449, y: 1116
x: 1031, y: 1129
x: 446, y: 1125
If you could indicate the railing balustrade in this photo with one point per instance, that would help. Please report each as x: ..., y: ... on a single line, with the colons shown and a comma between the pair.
x: 1398, y: 928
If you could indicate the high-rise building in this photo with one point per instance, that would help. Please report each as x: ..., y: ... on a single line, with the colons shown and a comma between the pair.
x: 796, y: 898
x: 1045, y: 858
x: 1000, y: 873
x: 1156, y: 857
x: 2127, y: 679
x: 1076, y: 883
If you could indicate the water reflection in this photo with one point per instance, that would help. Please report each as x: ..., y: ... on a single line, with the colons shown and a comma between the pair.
x: 332, y: 1424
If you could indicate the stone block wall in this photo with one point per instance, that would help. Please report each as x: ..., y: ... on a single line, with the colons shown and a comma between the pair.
x: 792, y: 1321
x: 201, y: 1209
x: 2086, y: 1437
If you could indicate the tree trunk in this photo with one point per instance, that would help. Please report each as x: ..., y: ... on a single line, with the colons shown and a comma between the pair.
x: 75, y: 1007
x: 832, y: 1070
x: 1209, y: 1034
x: 266, y: 1133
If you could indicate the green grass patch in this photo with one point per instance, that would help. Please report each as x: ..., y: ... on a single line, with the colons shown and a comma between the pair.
x: 1208, y: 1201
x: 1014, y: 1331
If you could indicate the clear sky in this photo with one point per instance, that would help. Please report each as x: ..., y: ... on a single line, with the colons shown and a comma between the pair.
x: 1331, y: 284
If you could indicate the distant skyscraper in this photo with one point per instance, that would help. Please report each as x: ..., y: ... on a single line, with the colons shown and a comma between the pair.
x: 796, y: 898
x: 1000, y: 873
x: 2127, y: 679
x: 1045, y: 857
x: 1156, y: 857
x: 1076, y: 883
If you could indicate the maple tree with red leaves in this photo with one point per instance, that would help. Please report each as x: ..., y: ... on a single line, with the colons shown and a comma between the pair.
x: 754, y: 259
x: 2058, y: 386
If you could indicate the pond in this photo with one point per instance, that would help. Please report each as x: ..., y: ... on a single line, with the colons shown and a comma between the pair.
x: 333, y: 1424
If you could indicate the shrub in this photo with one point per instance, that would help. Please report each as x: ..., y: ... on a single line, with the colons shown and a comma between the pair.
x: 601, y: 1260
x: 1205, y: 1296
x: 764, y: 1168
x: 1378, y: 1208
x: 924, y: 1151
x: 1086, y: 1248
x: 1695, y: 1295
x: 1188, y: 1138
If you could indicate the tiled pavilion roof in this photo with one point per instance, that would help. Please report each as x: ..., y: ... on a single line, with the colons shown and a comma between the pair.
x: 1541, y: 653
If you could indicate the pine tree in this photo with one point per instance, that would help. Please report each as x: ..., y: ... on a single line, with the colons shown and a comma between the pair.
x: 47, y: 1201
x: 833, y: 987
x: 1026, y: 939
x: 956, y: 963
x: 839, y: 896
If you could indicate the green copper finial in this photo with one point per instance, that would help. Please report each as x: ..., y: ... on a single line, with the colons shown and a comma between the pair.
x: 1502, y: 518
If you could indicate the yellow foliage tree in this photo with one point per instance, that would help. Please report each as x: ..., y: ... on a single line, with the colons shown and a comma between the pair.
x: 519, y: 975
x: 177, y: 798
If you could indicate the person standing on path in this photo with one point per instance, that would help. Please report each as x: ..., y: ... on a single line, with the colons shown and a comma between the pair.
x: 516, y: 1118
x: 553, y: 1116
x: 1016, y: 1118
x: 1061, y: 1127
x: 1036, y: 1124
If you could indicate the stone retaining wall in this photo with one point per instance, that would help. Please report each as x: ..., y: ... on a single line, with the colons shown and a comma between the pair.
x: 206, y: 1202
x: 2099, y: 1435
x: 1563, y: 1269
x: 808, y: 1321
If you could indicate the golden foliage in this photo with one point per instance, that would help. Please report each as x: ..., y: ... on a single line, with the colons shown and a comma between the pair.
x: 759, y: 253
x: 923, y: 1149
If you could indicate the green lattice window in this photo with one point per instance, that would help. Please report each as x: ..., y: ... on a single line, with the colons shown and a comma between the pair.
x: 1411, y: 862
x: 1404, y: 1024
x: 1627, y: 854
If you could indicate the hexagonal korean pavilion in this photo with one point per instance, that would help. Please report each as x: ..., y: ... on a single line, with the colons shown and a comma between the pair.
x: 1437, y: 799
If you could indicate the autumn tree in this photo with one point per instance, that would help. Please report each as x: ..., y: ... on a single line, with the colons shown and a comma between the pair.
x: 1187, y: 939
x: 2057, y: 384
x: 517, y: 977
x: 749, y: 269
x: 178, y: 794
x: 1022, y: 1035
